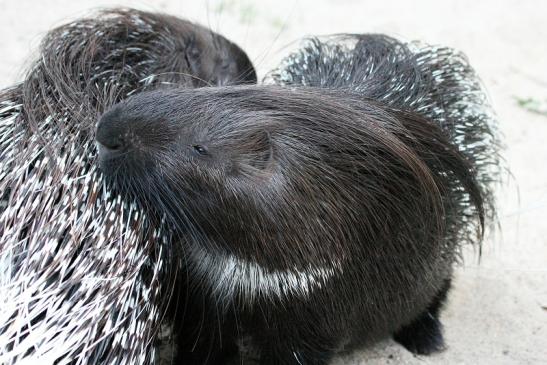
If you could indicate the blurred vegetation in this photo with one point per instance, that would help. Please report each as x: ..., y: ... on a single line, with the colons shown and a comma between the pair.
x: 533, y: 105
x: 248, y: 13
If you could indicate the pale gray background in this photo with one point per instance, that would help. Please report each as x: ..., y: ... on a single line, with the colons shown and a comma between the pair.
x: 497, y: 313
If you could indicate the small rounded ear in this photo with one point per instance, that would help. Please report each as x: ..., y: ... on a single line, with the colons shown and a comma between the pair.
x: 257, y: 152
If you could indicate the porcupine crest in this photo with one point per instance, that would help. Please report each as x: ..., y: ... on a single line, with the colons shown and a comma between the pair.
x: 79, y: 267
x: 433, y: 81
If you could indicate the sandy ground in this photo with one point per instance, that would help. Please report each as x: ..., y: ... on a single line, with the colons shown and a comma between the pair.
x: 497, y: 312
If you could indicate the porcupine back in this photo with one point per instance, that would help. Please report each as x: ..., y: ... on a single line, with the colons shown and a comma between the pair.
x: 80, y: 268
x: 434, y: 81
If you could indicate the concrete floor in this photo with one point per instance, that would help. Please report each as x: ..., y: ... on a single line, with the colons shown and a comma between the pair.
x: 497, y: 312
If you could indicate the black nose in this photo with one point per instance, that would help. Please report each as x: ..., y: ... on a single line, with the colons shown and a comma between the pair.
x: 111, y: 138
x: 106, y: 152
x: 112, y: 143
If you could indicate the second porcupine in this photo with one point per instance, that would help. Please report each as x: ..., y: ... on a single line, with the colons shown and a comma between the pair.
x: 325, y: 213
x: 84, y: 276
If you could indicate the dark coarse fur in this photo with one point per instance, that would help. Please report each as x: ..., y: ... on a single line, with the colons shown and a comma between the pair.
x: 322, y: 216
x: 95, y: 62
x: 84, y: 275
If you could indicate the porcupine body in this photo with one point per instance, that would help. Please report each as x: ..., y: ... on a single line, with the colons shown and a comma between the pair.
x: 84, y: 276
x: 439, y: 84
x: 324, y: 212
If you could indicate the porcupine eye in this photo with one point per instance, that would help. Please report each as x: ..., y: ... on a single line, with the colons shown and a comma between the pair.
x: 200, y: 150
x: 192, y: 52
x: 226, y: 64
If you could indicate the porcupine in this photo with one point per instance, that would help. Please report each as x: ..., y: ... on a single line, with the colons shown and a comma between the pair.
x: 85, y: 277
x: 325, y: 211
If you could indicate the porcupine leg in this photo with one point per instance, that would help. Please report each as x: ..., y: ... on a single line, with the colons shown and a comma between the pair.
x: 273, y: 357
x: 424, y: 335
x: 208, y: 349
x: 204, y: 337
x: 280, y: 352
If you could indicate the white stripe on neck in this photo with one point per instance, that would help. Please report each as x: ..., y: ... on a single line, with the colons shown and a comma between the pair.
x: 229, y: 276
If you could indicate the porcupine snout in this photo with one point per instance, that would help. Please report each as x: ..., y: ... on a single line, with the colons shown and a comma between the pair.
x: 121, y: 142
x: 113, y: 137
x: 109, y: 146
x: 131, y: 139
